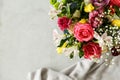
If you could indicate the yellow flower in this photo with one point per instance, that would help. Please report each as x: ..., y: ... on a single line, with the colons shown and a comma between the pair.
x: 116, y: 22
x: 60, y: 49
x: 64, y: 45
x: 83, y: 21
x: 89, y: 8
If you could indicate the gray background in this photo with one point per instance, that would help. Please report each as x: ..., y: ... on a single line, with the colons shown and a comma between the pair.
x: 26, y: 39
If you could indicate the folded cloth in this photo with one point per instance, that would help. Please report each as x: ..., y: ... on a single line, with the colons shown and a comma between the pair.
x: 83, y: 70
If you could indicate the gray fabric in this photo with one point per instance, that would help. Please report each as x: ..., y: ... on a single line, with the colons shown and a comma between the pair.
x: 83, y: 70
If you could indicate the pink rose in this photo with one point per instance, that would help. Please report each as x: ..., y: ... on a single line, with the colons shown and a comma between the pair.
x: 92, y: 50
x: 64, y: 22
x: 115, y: 2
x: 83, y: 32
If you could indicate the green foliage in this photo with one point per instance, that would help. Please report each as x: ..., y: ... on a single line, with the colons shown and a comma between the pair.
x: 81, y: 53
x: 63, y: 12
x: 83, y: 13
x: 62, y: 42
x: 70, y: 7
x: 71, y: 41
x: 117, y: 10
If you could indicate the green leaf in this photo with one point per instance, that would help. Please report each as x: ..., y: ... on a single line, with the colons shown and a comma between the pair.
x: 56, y: 5
x: 68, y: 11
x: 81, y: 53
x: 62, y: 42
x: 52, y: 2
x: 64, y: 1
x: 64, y: 10
x: 83, y: 13
x: 60, y: 15
x: 79, y: 45
x: 71, y: 41
x: 71, y: 55
x: 117, y: 9
x: 81, y: 6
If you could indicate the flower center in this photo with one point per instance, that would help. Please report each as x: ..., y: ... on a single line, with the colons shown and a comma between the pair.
x: 84, y: 33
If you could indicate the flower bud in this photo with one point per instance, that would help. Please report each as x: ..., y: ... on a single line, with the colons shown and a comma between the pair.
x: 53, y: 2
x: 56, y: 5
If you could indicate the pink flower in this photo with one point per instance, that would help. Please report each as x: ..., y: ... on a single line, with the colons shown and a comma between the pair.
x: 100, y: 3
x: 64, y: 22
x: 92, y: 50
x: 83, y: 32
x: 96, y: 18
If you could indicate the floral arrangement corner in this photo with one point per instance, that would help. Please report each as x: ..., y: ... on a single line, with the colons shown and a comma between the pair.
x: 90, y: 28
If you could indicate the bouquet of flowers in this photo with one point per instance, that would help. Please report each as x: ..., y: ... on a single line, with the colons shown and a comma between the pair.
x: 90, y: 28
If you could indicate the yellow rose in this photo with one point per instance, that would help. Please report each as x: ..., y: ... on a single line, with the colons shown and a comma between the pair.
x: 83, y: 21
x: 60, y: 49
x: 116, y: 22
x: 89, y: 8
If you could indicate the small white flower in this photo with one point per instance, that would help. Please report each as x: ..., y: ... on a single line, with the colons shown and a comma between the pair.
x: 103, y: 40
x: 57, y: 37
x: 107, y: 39
x: 87, y: 1
x: 68, y: 51
x: 53, y: 12
x: 100, y: 39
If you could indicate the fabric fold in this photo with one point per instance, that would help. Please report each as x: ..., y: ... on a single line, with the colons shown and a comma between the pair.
x: 82, y: 70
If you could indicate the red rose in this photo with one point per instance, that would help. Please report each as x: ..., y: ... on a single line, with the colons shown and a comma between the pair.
x: 115, y: 2
x: 83, y: 32
x: 92, y: 50
x: 64, y: 22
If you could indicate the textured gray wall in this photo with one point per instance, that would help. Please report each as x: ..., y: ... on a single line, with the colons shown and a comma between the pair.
x: 26, y: 39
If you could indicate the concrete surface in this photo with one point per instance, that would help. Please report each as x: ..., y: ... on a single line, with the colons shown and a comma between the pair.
x: 26, y: 39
